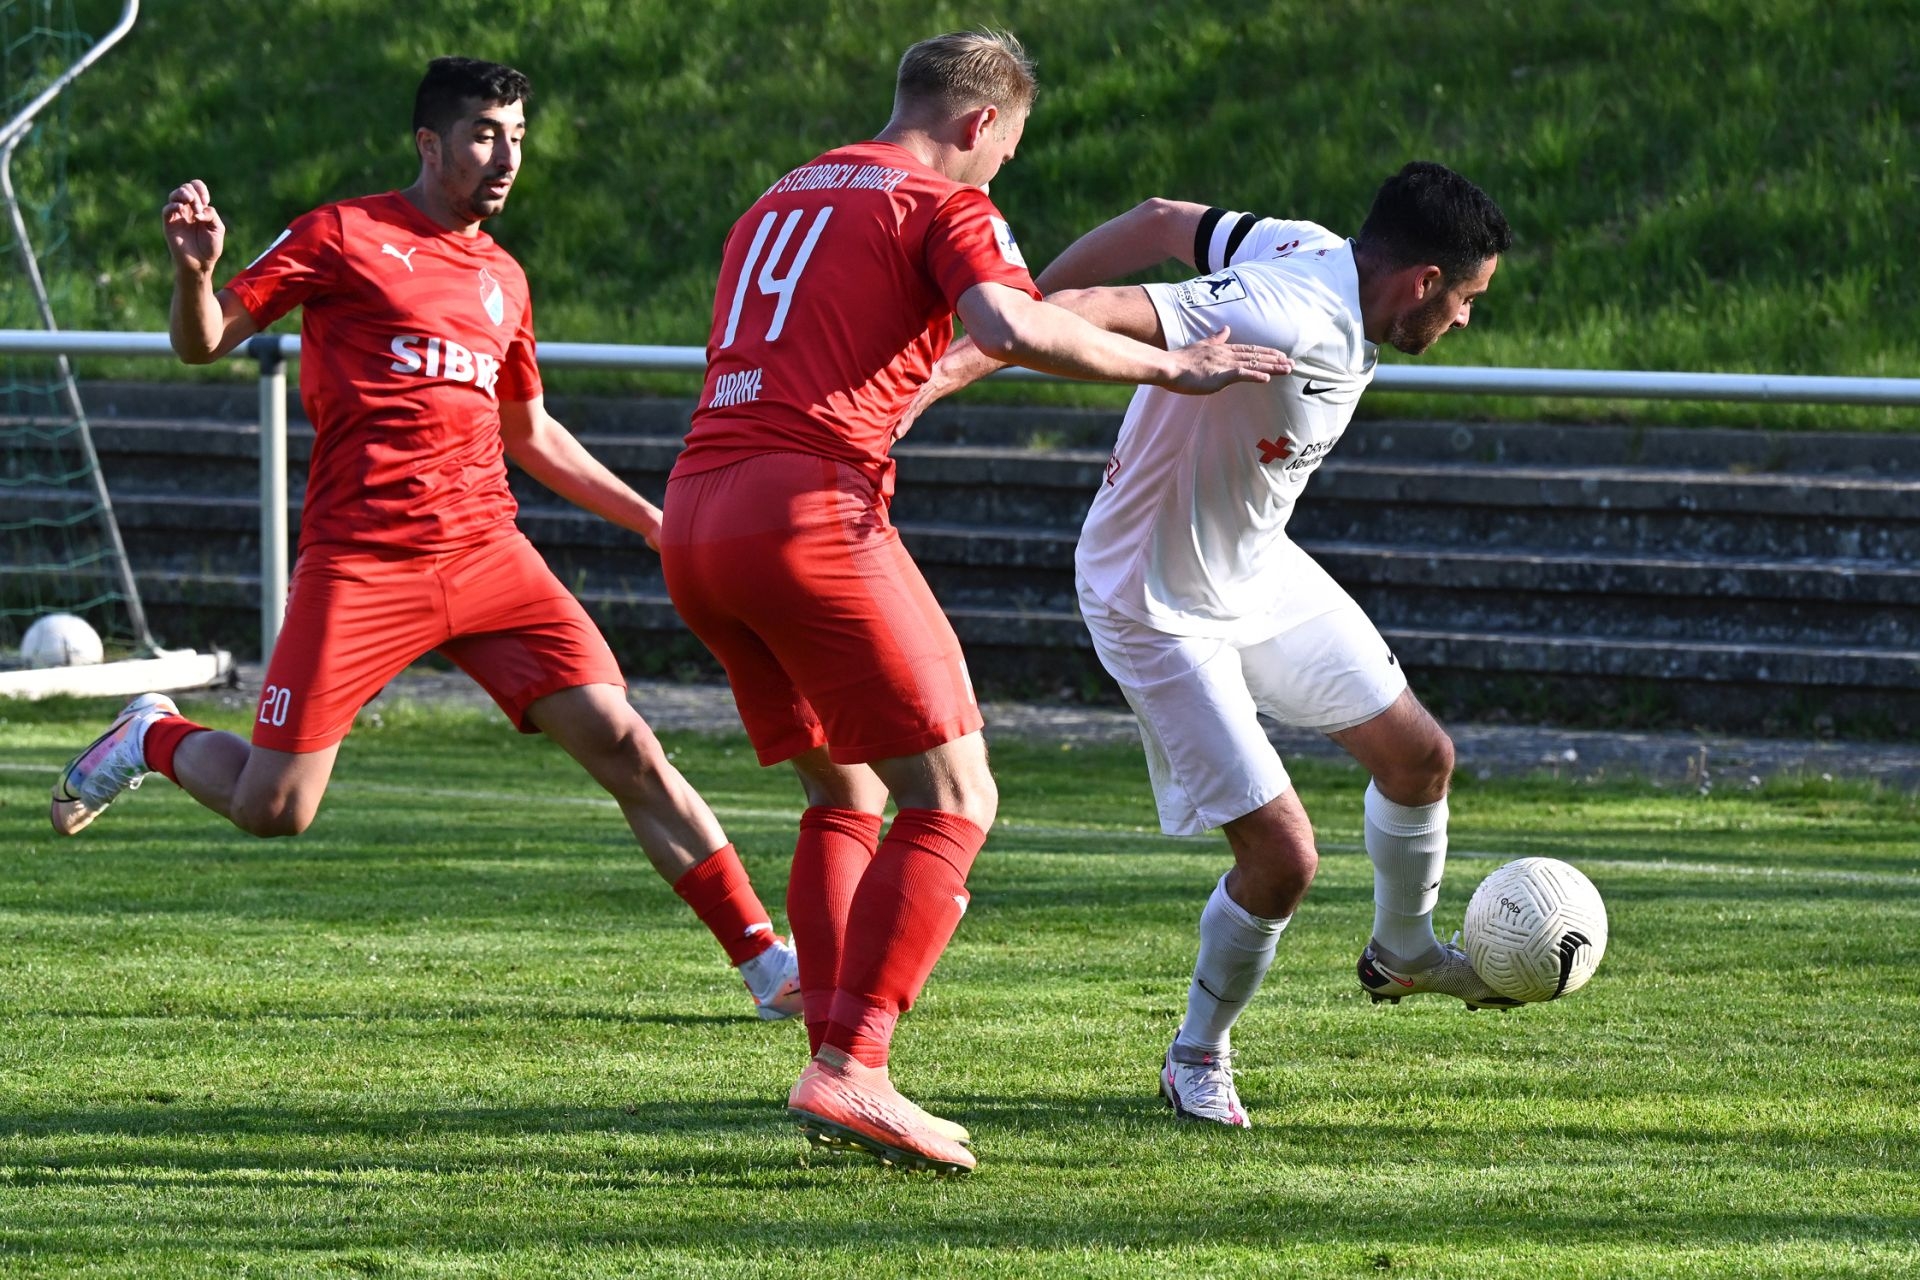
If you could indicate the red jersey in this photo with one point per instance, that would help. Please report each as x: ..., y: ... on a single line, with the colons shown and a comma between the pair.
x: 836, y: 296
x: 411, y: 337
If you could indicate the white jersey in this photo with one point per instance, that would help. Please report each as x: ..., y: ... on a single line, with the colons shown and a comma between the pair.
x: 1188, y: 531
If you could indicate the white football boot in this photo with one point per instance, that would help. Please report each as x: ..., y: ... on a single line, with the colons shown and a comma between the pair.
x: 112, y: 763
x: 1445, y: 971
x: 1199, y: 1086
x: 773, y: 980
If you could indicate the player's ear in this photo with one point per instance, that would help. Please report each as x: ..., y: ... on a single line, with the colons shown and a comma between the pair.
x: 979, y: 123
x: 1426, y: 280
x: 427, y: 143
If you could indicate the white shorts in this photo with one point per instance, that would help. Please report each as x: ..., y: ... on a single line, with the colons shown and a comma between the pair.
x: 1199, y: 698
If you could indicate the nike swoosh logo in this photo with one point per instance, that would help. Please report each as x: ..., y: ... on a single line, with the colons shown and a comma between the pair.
x: 1311, y: 390
x: 1570, y: 945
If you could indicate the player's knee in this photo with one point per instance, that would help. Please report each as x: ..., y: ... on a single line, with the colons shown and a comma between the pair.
x: 1439, y: 763
x: 979, y: 801
x: 273, y: 816
x: 1421, y: 774
x: 976, y: 799
x: 638, y: 765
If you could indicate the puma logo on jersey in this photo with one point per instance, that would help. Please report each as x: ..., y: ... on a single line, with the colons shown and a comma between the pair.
x: 444, y: 358
x: 406, y: 257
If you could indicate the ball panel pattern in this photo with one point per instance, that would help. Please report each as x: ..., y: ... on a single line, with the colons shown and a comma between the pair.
x: 1536, y: 929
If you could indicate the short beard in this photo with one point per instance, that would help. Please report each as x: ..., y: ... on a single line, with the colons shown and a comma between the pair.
x: 1415, y: 333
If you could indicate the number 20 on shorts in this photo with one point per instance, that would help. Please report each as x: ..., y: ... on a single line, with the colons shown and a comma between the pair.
x: 274, y: 700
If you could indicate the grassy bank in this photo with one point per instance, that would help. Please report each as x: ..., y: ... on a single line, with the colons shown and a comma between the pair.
x: 1705, y: 186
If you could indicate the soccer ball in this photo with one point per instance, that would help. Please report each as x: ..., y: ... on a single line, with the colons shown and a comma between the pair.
x: 1536, y: 929
x: 60, y: 640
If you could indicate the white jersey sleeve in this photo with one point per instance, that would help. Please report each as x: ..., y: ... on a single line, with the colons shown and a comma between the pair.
x: 1195, y: 309
x: 1228, y: 239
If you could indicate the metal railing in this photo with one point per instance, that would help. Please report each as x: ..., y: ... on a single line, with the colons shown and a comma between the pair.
x: 271, y: 353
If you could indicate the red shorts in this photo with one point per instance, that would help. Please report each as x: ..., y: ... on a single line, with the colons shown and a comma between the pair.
x: 356, y: 619
x: 786, y: 567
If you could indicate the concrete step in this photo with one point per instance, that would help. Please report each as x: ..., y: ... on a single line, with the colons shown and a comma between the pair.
x: 964, y: 421
x: 1859, y: 603
x: 1723, y: 576
x: 630, y: 617
x: 1428, y: 504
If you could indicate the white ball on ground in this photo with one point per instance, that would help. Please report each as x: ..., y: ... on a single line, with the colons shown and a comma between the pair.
x: 61, y: 640
x: 1536, y: 929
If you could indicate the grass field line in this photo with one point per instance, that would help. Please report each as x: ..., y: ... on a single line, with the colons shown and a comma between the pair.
x: 1129, y: 835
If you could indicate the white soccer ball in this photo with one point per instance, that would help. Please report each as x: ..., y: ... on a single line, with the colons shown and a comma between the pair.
x: 61, y: 640
x: 1536, y: 929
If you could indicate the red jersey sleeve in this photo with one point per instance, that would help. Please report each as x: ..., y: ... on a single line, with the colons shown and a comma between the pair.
x: 295, y: 267
x: 520, y: 371
x: 970, y: 244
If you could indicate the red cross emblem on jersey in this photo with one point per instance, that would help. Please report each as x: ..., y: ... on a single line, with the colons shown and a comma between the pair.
x: 1275, y: 450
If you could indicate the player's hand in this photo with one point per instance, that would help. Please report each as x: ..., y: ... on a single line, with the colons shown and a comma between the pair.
x: 1213, y: 362
x: 648, y: 526
x: 195, y: 234
x: 921, y: 399
x: 937, y: 385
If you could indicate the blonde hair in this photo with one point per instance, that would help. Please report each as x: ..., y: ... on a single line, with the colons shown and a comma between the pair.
x: 965, y: 70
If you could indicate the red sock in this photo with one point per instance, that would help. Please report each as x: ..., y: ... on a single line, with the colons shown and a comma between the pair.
x: 719, y: 892
x: 908, y: 905
x: 163, y: 740
x: 832, y: 853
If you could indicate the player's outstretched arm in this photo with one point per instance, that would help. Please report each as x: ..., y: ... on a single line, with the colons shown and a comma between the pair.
x: 1144, y: 236
x: 1123, y: 311
x: 963, y: 365
x: 1012, y: 327
x: 203, y: 325
x: 549, y: 453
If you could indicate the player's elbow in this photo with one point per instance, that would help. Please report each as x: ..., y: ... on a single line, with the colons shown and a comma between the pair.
x: 191, y: 352
x: 1001, y: 337
x: 1154, y: 211
x: 1074, y: 300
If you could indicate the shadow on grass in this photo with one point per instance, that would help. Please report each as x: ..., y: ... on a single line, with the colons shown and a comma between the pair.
x: 1058, y: 1172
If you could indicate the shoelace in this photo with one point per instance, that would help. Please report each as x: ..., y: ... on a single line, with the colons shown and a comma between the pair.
x: 113, y: 774
x: 1214, y: 1083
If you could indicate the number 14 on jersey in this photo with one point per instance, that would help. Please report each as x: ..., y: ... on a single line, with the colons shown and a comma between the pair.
x: 776, y: 286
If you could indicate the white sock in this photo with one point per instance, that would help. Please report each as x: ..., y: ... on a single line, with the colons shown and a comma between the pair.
x: 1236, y: 949
x: 762, y: 973
x: 1408, y: 846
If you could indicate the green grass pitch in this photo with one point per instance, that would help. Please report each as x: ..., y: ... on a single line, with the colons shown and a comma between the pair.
x: 460, y: 1029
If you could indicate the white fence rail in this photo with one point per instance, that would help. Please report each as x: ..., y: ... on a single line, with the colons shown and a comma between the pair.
x: 271, y: 352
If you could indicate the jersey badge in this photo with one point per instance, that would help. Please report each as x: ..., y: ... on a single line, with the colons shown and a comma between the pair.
x: 406, y: 257
x: 492, y: 297
x: 1003, y: 236
x: 1211, y: 291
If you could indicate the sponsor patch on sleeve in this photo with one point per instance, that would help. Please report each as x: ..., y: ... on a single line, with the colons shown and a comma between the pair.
x: 1003, y: 237
x: 1209, y: 291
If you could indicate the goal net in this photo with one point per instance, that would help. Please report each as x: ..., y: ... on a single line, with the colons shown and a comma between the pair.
x: 60, y: 546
